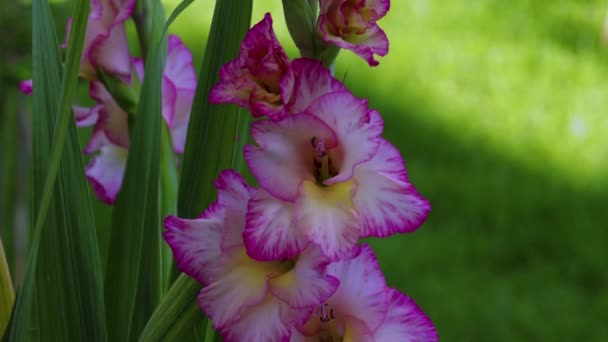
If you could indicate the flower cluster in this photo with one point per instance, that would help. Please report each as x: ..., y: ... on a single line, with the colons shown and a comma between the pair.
x: 281, y: 262
x: 106, y: 54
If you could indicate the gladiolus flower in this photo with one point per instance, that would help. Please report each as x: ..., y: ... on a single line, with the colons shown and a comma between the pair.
x: 247, y: 300
x: 111, y: 131
x: 351, y: 24
x: 327, y: 178
x: 364, y: 309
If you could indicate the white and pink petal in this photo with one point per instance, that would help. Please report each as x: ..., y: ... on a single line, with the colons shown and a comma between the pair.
x: 405, y: 321
x: 105, y: 172
x: 196, y: 242
x: 271, y: 231
x: 386, y: 201
x: 307, y: 285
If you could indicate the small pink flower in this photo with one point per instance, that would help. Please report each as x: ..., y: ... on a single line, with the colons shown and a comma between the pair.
x: 252, y: 80
x: 105, y: 44
x: 110, y: 137
x: 351, y: 24
x: 327, y: 178
x: 247, y: 300
x: 26, y: 87
x: 364, y: 309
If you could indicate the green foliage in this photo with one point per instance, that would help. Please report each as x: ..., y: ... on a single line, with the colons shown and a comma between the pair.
x: 63, y: 269
x: 134, y: 276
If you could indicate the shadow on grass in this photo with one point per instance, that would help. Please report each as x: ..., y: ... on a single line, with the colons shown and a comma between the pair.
x: 509, y: 251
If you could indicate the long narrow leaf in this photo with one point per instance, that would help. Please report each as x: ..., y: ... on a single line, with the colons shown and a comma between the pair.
x: 62, y: 296
x: 134, y: 273
x: 214, y: 143
x: 7, y: 295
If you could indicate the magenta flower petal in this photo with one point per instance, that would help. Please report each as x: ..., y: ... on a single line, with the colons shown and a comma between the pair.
x: 267, y: 315
x: 26, y: 87
x: 269, y: 232
x: 180, y: 77
x: 307, y: 284
x: 105, y: 44
x: 239, y: 283
x: 105, y: 172
x: 284, y: 157
x: 309, y: 81
x: 387, y: 202
x: 405, y: 321
x: 252, y: 79
x: 195, y: 243
x: 112, y: 119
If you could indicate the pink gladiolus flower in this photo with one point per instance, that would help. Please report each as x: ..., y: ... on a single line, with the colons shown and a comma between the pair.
x: 351, y: 24
x: 327, y: 178
x: 26, y: 87
x: 364, y: 309
x: 252, y: 80
x: 111, y: 131
x: 105, y: 44
x: 247, y: 300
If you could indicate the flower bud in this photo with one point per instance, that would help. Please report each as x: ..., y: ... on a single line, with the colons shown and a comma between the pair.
x: 301, y: 19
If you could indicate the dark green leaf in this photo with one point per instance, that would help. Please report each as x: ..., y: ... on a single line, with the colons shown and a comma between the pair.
x: 61, y: 298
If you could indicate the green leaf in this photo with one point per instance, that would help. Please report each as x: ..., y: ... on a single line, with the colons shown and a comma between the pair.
x: 133, y: 281
x: 62, y: 297
x: 214, y: 142
x: 7, y: 295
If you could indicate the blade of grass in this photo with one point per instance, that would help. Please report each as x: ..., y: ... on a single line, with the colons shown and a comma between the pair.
x: 7, y: 295
x: 133, y: 281
x: 63, y: 269
x: 214, y: 143
x: 8, y: 175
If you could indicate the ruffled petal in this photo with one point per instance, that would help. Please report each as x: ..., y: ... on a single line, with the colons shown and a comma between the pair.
x: 385, y: 199
x: 196, y: 243
x: 326, y: 217
x: 362, y: 290
x: 238, y: 283
x: 105, y: 172
x: 310, y: 81
x: 112, y: 119
x: 259, y: 323
x: 233, y: 193
x: 307, y: 284
x: 377, y: 8
x: 357, y: 128
x: 405, y: 321
x: 270, y: 231
x: 285, y: 155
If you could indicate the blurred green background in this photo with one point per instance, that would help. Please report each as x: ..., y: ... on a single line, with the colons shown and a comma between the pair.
x: 500, y: 110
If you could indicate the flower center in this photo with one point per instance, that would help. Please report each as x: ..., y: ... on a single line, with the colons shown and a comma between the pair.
x: 329, y: 328
x: 323, y: 166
